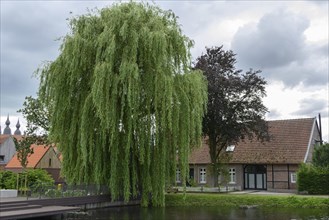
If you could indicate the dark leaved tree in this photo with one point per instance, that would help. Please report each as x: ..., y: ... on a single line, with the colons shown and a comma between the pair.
x: 235, y: 107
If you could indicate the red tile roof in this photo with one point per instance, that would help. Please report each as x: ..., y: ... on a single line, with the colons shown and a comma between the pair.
x: 289, y: 143
x: 38, y: 152
x: 3, y: 138
x: 200, y: 155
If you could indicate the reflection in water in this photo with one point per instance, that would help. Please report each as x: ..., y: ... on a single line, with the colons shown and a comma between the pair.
x: 200, y: 213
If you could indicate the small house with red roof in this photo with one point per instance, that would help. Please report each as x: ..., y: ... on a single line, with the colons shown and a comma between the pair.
x: 256, y: 165
x: 43, y: 157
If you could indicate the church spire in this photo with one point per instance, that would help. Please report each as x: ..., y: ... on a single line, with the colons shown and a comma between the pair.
x: 7, y: 129
x: 17, y: 132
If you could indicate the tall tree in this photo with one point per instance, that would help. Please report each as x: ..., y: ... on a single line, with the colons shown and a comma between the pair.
x: 37, y: 116
x: 125, y: 106
x: 23, y: 151
x: 235, y: 109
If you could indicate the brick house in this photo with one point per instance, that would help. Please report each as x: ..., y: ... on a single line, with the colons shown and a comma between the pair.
x: 43, y: 157
x: 254, y: 165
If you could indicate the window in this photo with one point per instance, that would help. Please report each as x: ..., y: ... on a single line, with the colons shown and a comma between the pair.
x: 2, y: 158
x: 232, y: 175
x: 293, y: 177
x: 49, y: 162
x: 230, y: 148
x: 178, y: 180
x: 202, y: 177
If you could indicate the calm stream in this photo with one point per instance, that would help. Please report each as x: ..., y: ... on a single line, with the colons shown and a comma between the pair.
x: 206, y: 213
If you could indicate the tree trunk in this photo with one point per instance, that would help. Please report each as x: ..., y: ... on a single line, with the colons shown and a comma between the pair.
x: 215, y: 175
x: 25, y: 185
x: 213, y: 156
x: 17, y: 182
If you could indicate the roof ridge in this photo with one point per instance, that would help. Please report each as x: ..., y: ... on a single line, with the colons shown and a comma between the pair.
x: 293, y: 119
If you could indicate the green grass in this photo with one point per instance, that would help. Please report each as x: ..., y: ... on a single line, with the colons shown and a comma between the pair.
x: 229, y: 200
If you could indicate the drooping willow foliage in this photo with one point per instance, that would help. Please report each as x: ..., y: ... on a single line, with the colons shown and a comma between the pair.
x: 126, y: 108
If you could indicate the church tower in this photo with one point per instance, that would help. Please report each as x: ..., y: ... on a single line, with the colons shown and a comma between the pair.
x: 17, y: 132
x: 7, y: 129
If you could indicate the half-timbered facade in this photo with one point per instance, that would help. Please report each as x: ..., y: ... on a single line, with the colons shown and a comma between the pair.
x: 256, y: 165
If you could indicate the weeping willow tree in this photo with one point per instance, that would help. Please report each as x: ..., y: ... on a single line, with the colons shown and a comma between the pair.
x: 126, y: 107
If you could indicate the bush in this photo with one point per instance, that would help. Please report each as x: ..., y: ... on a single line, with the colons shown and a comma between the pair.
x: 312, y: 179
x: 321, y: 156
x: 53, y: 193
x: 8, y: 180
x: 35, y: 177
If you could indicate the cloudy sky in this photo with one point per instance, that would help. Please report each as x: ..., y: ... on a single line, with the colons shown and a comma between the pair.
x: 287, y: 40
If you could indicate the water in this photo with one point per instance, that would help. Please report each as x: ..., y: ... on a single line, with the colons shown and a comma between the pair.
x: 200, y: 213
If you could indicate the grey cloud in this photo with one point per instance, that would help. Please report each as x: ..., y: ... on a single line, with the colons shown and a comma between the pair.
x: 32, y: 26
x: 321, y: 3
x: 205, y: 12
x: 323, y: 50
x: 273, y: 114
x: 199, y: 20
x: 312, y: 106
x: 28, y: 33
x: 277, y: 40
x: 277, y: 46
x: 309, y: 73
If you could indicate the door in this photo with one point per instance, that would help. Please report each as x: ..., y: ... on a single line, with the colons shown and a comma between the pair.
x: 190, y: 181
x: 255, y: 177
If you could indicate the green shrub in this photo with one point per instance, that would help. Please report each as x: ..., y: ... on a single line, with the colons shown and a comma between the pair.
x: 8, y: 180
x: 53, y: 193
x: 229, y: 200
x: 35, y: 178
x: 191, y: 182
x: 312, y: 179
x: 321, y: 156
x: 68, y: 193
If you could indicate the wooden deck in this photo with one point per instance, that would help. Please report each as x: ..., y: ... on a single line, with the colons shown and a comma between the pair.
x: 36, y: 212
x: 19, y: 208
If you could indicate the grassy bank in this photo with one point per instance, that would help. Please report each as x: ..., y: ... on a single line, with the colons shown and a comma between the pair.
x: 230, y: 200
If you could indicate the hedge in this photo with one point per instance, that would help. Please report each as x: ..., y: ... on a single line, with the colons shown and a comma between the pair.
x: 7, y: 180
x: 313, y: 180
x: 231, y: 200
